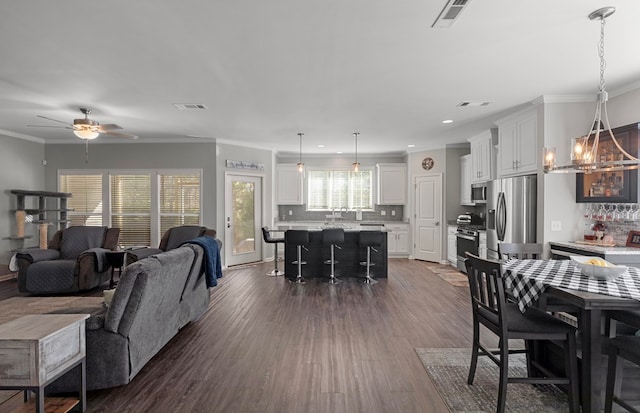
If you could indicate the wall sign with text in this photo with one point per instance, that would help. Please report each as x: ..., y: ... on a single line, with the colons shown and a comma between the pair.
x: 633, y: 240
x: 245, y: 165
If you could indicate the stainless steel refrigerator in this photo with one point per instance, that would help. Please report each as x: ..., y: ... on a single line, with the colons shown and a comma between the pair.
x: 511, y: 212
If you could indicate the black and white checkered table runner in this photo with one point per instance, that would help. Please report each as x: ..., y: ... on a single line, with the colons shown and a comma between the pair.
x: 529, y: 278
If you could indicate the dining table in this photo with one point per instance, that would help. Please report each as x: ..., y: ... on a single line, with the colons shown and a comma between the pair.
x: 533, y: 281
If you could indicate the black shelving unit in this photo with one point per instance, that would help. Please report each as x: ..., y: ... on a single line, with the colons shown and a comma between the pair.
x: 42, y: 215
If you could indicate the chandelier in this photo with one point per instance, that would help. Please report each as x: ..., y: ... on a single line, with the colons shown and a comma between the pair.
x: 584, y: 150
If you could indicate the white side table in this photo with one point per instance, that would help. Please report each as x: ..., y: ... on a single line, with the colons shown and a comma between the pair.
x: 37, y: 349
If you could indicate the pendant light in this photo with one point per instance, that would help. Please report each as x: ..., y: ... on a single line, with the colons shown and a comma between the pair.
x: 584, y: 150
x: 356, y: 164
x: 300, y: 163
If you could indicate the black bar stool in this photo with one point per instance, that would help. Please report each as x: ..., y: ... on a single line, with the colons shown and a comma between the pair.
x: 333, y: 237
x: 275, y: 241
x: 370, y: 240
x: 628, y: 348
x: 299, y: 238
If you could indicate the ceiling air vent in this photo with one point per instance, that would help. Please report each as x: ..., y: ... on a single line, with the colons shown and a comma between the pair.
x: 189, y: 106
x: 450, y: 13
x: 470, y: 104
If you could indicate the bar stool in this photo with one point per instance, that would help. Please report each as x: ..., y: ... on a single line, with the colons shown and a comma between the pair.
x: 332, y: 237
x: 275, y: 241
x: 628, y: 348
x: 370, y: 240
x: 299, y: 238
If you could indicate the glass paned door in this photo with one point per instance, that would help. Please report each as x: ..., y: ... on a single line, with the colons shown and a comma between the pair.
x: 243, y: 212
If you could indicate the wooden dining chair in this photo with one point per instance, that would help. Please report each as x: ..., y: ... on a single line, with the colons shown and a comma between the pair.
x: 520, y: 251
x: 627, y: 348
x: 504, y: 319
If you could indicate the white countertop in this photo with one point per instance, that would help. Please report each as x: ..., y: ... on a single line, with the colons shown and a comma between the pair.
x: 598, y: 248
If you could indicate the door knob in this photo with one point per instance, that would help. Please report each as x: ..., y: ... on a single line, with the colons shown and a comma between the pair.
x: 437, y: 223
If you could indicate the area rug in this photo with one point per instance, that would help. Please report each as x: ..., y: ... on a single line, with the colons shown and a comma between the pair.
x: 448, y: 369
x: 449, y: 274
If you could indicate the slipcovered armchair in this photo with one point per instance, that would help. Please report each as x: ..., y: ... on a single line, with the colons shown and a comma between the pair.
x: 173, y: 238
x: 75, y: 260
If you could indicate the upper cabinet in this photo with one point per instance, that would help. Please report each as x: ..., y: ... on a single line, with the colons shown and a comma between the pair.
x: 289, y: 184
x: 518, y: 141
x: 465, y: 180
x: 392, y: 184
x: 482, y: 157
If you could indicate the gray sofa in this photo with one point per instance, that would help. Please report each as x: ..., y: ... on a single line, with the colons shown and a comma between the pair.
x: 154, y: 299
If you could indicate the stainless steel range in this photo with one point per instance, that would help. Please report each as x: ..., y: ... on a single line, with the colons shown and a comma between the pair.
x: 467, y: 237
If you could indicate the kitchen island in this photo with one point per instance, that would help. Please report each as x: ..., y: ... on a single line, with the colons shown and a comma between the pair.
x: 615, y: 255
x: 349, y: 256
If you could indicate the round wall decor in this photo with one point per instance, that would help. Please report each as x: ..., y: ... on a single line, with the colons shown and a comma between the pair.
x: 427, y: 163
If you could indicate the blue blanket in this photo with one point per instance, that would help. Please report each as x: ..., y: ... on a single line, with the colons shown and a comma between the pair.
x: 212, y: 268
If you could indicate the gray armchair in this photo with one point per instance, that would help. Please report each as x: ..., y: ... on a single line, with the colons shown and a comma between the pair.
x: 75, y: 260
x: 173, y: 238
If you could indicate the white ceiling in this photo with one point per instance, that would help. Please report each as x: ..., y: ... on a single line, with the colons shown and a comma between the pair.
x: 267, y: 70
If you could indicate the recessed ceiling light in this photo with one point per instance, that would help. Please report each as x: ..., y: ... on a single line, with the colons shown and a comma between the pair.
x: 411, y: 146
x: 447, y: 121
x: 321, y: 146
x: 339, y: 152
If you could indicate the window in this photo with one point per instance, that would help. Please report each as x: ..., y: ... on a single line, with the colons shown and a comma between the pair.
x: 131, y: 208
x: 179, y: 201
x: 86, y: 201
x: 337, y: 189
x: 143, y: 204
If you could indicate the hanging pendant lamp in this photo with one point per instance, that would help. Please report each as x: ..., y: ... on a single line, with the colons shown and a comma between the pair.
x: 356, y: 164
x: 300, y: 163
x: 584, y: 150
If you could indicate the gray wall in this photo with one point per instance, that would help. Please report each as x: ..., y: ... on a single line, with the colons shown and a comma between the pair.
x: 20, y: 168
x: 133, y: 155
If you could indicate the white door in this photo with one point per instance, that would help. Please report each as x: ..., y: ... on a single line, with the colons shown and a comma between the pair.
x: 243, y: 215
x: 428, y: 218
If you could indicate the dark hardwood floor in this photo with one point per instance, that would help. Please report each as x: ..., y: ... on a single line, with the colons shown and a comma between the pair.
x: 266, y: 345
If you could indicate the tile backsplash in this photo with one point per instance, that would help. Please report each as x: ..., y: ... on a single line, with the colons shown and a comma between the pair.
x: 392, y: 213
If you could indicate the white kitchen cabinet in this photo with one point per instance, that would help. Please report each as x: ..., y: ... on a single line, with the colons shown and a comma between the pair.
x: 392, y: 183
x: 289, y: 184
x: 518, y: 141
x: 482, y: 245
x: 451, y: 244
x: 465, y: 180
x: 397, y: 239
x: 482, y: 157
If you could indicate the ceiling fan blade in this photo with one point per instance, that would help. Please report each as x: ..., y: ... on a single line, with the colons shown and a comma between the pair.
x: 49, y: 126
x: 121, y: 135
x: 51, y: 119
x: 109, y: 126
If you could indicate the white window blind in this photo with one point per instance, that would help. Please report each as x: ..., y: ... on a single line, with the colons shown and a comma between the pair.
x: 131, y: 208
x: 337, y: 189
x: 86, y: 200
x: 179, y: 200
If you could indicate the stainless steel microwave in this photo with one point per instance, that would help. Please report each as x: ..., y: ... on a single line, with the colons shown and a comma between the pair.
x: 479, y: 193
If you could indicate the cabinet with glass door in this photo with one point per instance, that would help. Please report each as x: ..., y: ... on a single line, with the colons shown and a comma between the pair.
x: 611, y: 186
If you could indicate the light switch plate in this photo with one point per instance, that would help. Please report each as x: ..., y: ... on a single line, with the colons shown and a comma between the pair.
x: 556, y: 225
x: 383, y: 213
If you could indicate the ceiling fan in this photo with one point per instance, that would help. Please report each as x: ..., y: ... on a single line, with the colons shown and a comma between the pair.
x: 87, y: 129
